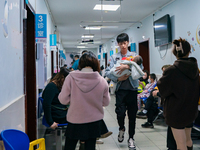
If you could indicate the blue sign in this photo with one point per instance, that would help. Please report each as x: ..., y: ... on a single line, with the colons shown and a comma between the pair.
x: 53, y: 39
x: 26, y: 1
x: 100, y: 46
x: 133, y: 47
x: 99, y: 56
x: 41, y: 26
x: 62, y: 55
x: 104, y: 55
x: 111, y: 53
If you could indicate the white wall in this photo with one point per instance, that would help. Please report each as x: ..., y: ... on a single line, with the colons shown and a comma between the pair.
x: 184, y: 18
x: 40, y: 8
x: 11, y: 55
x: 11, y: 60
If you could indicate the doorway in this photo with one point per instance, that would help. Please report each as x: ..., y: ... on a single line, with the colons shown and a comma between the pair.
x: 29, y: 73
x: 106, y: 60
x: 144, y: 53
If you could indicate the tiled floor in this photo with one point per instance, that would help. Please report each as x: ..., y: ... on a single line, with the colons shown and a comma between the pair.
x: 145, y: 139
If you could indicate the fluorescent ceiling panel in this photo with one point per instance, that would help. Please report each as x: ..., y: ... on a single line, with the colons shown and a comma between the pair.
x: 106, y: 7
x: 92, y: 28
x: 81, y: 47
x: 87, y: 36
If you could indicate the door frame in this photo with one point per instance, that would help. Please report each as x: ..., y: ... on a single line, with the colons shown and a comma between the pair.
x: 29, y: 72
x: 140, y: 42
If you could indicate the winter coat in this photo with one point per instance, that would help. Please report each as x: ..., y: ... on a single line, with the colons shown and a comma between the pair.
x: 179, y: 86
x: 87, y: 93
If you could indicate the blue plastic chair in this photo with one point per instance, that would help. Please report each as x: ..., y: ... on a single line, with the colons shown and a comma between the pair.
x: 58, y: 130
x: 15, y: 140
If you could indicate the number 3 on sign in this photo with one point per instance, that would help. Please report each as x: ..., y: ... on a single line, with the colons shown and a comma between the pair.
x: 40, y: 20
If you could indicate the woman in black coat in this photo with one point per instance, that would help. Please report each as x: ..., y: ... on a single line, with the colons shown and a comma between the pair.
x: 179, y: 86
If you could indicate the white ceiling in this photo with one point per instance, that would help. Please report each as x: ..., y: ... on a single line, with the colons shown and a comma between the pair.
x: 68, y: 15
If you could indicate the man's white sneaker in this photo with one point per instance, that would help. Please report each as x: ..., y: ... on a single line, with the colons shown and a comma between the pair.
x: 131, y: 144
x: 121, y: 135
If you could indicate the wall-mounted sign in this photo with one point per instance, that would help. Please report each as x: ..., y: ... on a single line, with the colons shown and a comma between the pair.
x: 133, y: 47
x: 111, y: 53
x: 53, y: 43
x: 99, y: 56
x: 104, y: 55
x: 41, y: 28
x: 53, y: 40
x: 100, y: 47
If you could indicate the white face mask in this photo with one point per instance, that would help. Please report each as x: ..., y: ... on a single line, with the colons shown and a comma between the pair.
x: 149, y: 80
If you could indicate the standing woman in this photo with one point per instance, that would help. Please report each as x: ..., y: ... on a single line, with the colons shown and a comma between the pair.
x: 86, y: 92
x: 179, y: 85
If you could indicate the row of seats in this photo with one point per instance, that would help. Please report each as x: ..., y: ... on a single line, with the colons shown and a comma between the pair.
x: 17, y: 140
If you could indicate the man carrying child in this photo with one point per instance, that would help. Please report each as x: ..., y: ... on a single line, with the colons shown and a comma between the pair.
x: 126, y: 91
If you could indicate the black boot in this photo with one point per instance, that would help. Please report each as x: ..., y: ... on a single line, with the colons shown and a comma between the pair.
x: 190, y: 148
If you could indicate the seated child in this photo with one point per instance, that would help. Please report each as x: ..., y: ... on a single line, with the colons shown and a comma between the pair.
x: 134, y: 62
x: 149, y: 87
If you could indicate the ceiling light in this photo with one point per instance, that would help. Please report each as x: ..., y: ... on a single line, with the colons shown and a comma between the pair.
x: 87, y: 36
x: 81, y: 47
x: 109, y: 27
x: 106, y: 7
x: 83, y: 43
x: 87, y: 41
x: 92, y: 28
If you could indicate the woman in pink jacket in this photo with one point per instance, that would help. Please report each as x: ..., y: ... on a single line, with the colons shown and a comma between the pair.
x: 86, y: 92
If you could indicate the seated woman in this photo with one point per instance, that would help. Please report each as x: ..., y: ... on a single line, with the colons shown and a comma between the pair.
x: 54, y: 111
x: 149, y: 87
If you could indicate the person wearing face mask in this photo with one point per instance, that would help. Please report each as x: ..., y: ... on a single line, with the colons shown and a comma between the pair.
x: 151, y: 106
x: 143, y: 81
x: 149, y: 87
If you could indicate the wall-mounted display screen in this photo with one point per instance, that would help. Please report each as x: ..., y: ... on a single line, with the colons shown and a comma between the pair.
x: 162, y: 31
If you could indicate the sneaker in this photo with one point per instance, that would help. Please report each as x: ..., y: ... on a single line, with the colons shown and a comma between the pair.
x: 121, y: 135
x: 99, y: 142
x: 147, y: 125
x: 141, y: 115
x: 131, y: 144
x: 106, y: 134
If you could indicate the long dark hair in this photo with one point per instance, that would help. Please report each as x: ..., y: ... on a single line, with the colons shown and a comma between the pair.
x: 60, y: 77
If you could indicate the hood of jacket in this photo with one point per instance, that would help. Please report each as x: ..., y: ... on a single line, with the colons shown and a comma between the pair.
x: 85, y: 81
x: 188, y: 66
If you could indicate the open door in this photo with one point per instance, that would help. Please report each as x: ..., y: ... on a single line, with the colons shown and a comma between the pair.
x: 29, y: 73
x: 144, y: 53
